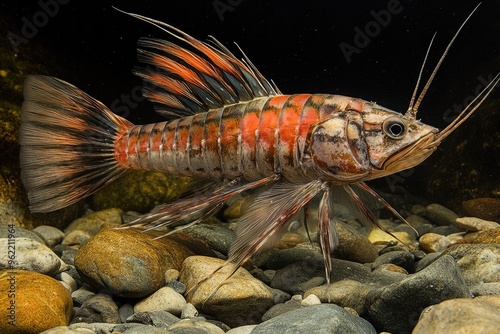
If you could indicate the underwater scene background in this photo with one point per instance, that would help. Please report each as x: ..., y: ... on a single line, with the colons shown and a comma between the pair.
x: 115, y: 279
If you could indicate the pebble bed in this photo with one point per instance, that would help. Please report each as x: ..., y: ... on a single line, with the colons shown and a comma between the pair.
x: 95, y: 278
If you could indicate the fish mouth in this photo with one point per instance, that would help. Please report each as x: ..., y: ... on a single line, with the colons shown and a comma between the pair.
x: 412, y: 155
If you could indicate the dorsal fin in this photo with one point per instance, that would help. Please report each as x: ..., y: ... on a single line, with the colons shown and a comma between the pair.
x: 185, y: 81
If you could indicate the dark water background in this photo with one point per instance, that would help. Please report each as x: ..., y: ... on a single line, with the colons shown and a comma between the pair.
x: 296, y: 44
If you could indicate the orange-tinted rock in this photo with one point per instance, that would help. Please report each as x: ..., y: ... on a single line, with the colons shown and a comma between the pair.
x: 31, y: 302
x: 485, y: 208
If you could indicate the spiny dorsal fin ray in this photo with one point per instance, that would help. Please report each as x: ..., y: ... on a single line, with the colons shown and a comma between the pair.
x: 202, y: 77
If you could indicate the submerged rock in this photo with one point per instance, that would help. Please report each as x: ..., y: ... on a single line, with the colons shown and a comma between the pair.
x: 459, y: 316
x: 480, y: 266
x: 140, y: 191
x: 130, y: 263
x: 239, y: 300
x: 396, y: 307
x: 165, y: 299
x: 34, y: 302
x: 486, y: 208
x: 30, y: 255
x: 324, y: 318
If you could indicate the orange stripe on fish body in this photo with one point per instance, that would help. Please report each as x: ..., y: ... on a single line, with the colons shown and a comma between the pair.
x: 266, y: 143
x: 249, y: 131
x: 288, y: 124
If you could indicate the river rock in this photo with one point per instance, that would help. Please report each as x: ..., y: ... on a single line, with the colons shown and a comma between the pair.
x: 293, y: 304
x: 483, y: 207
x: 138, y: 269
x: 159, y: 319
x: 396, y: 308
x: 188, y: 326
x: 140, y: 191
x: 127, y: 328
x: 49, y: 234
x: 479, y: 264
x: 432, y: 242
x: 292, y: 278
x: 94, y: 221
x: 99, y: 308
x: 242, y: 329
x: 29, y: 254
x: 166, y: 299
x: 440, y: 215
x: 345, y: 293
x: 377, y: 236
x: 476, y: 224
x: 353, y: 245
x: 324, y: 318
x: 238, y: 300
x: 485, y: 237
x: 459, y: 316
x: 403, y: 259
x: 35, y: 302
x: 14, y: 231
x: 218, y: 238
x: 76, y: 238
x: 68, y: 330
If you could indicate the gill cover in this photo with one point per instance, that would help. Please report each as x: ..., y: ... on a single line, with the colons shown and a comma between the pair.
x: 338, y: 148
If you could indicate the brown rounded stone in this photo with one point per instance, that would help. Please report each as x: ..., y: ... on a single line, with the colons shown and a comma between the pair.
x: 31, y: 302
x: 485, y: 237
x: 484, y: 207
x: 354, y: 246
x: 459, y: 316
x: 238, y: 300
x: 131, y: 263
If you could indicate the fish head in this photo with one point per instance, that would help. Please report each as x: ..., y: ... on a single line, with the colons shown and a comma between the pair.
x: 359, y: 140
x: 396, y: 142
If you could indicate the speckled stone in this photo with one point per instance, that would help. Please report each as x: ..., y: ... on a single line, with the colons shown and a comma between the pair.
x: 188, y: 326
x: 396, y: 307
x: 324, y: 318
x: 35, y: 302
x: 459, y: 316
x: 138, y: 269
x: 30, y: 255
x: 354, y: 246
x: 476, y: 224
x: 484, y: 207
x: 485, y: 237
x: 49, y: 234
x: 94, y: 221
x: 165, y: 299
x: 345, y: 293
x: 432, y: 242
x: 99, y: 308
x: 240, y: 300
x: 479, y: 264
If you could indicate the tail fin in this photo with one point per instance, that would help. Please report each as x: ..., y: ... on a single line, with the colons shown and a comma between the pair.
x: 67, y: 143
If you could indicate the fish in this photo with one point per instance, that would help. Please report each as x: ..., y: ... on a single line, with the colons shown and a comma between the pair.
x: 231, y: 129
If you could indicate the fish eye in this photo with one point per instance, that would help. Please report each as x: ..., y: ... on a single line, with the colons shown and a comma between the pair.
x: 394, y: 128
